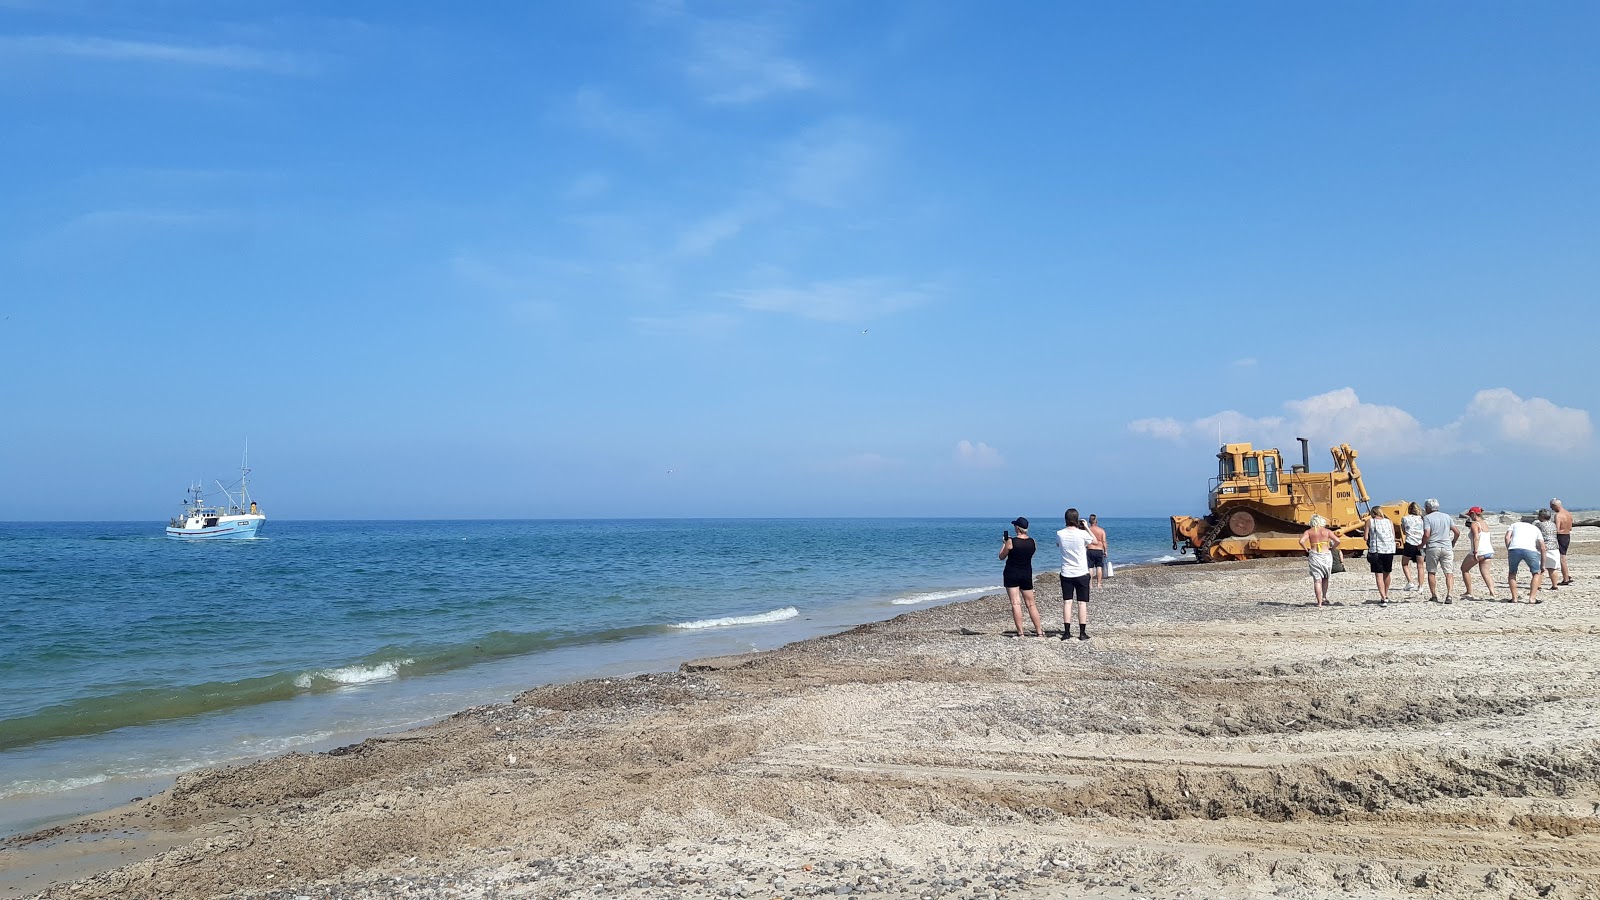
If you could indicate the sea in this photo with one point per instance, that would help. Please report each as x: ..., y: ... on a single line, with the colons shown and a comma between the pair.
x: 127, y: 658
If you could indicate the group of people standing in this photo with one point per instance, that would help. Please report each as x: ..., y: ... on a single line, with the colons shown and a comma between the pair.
x: 1427, y: 542
x: 1084, y: 557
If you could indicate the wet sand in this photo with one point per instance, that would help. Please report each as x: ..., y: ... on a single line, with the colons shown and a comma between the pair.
x: 1218, y: 737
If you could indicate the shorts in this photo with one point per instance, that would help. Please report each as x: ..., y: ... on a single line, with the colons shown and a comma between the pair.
x: 1321, y: 564
x: 1023, y: 580
x: 1097, y: 559
x: 1381, y: 563
x: 1075, y: 586
x: 1412, y: 552
x: 1440, y: 556
x: 1564, y: 541
x: 1531, y: 557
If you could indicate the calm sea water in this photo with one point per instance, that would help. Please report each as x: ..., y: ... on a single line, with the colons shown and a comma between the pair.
x: 129, y: 658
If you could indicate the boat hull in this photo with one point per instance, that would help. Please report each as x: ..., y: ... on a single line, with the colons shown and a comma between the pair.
x: 241, y: 528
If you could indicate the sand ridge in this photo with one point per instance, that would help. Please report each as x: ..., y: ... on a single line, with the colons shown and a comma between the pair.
x: 1218, y: 737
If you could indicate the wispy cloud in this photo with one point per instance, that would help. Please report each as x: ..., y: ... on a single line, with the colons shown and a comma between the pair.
x: 692, y: 325
x: 596, y: 111
x: 588, y: 186
x: 221, y: 56
x: 527, y: 288
x: 1496, y: 416
x: 860, y: 464
x: 703, y: 236
x: 741, y: 62
x: 855, y: 300
x: 833, y: 163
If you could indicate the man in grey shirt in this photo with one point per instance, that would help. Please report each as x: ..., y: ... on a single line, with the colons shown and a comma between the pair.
x: 1439, y: 536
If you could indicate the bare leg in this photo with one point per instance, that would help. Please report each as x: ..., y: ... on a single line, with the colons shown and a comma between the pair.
x: 1466, y: 574
x: 1564, y: 576
x: 1483, y: 570
x: 1016, y: 607
x: 1533, y: 585
x: 1512, y: 581
x: 1384, y: 579
x: 1449, y: 584
x: 1318, y: 585
x: 1433, y: 585
x: 1033, y: 613
x: 1083, y: 618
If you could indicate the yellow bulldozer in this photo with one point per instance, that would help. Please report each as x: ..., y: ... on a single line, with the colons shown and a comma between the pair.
x: 1260, y: 509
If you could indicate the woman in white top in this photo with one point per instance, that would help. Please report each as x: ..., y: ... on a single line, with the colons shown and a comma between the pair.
x: 1478, y: 556
x: 1411, y: 551
x: 1380, y: 551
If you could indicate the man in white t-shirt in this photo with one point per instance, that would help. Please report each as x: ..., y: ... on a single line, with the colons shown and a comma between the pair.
x: 1524, y: 544
x: 1074, y: 541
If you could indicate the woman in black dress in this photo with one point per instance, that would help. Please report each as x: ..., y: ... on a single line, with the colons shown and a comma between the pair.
x: 1018, y: 554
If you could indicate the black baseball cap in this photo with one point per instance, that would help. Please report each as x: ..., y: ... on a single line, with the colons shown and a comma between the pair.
x: 1021, y: 522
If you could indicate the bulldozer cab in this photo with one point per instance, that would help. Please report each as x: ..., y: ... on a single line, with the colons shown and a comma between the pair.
x: 1243, y: 471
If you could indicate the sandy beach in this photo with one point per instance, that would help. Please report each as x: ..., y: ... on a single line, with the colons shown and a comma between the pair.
x: 1218, y: 737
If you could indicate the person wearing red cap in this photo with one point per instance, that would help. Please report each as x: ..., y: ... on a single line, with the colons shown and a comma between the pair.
x: 1480, y: 551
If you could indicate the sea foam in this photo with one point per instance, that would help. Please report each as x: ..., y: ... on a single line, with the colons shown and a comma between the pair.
x: 931, y: 596
x: 777, y: 615
x: 358, y: 674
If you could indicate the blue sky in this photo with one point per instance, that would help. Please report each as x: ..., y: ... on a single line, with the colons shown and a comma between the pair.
x: 834, y: 258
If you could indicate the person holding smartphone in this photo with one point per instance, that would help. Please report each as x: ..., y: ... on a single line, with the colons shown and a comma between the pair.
x: 1018, y: 575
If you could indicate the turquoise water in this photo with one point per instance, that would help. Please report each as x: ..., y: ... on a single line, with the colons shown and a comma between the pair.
x: 129, y: 657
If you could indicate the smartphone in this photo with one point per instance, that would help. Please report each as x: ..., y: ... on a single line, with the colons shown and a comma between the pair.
x: 1005, y: 535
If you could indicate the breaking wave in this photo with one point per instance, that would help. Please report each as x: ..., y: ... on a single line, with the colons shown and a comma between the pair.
x: 931, y: 596
x: 777, y: 615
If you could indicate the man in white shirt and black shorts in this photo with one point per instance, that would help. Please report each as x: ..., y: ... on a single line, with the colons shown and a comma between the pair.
x: 1074, y: 541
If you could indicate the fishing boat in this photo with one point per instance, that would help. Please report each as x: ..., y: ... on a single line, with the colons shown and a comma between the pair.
x: 237, y: 517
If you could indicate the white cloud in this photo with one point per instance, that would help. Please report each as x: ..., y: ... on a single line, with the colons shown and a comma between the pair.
x: 855, y: 300
x: 1495, y: 417
x: 221, y: 56
x: 1165, y: 429
x: 1248, y: 362
x: 1535, y: 421
x: 978, y: 456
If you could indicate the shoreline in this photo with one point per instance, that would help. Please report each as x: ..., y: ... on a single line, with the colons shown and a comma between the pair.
x: 1213, y: 711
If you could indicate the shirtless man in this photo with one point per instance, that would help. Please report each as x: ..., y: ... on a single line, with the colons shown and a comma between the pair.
x: 1563, y: 536
x: 1097, y: 551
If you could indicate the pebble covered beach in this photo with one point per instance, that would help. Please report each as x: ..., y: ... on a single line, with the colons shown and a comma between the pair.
x: 1217, y: 737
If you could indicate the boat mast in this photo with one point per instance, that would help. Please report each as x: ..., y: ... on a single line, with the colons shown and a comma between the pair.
x: 244, y: 473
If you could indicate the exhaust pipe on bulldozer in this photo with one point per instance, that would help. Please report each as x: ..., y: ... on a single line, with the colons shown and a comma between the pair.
x: 1305, y: 455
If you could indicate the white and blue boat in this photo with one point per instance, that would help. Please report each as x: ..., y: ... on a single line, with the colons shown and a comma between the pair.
x: 237, y: 518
